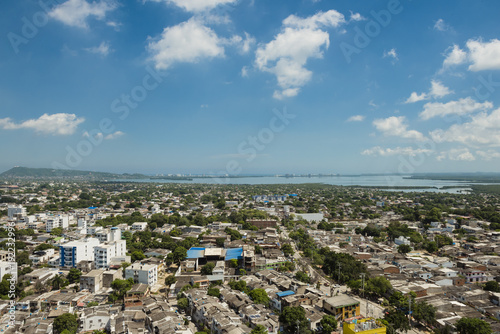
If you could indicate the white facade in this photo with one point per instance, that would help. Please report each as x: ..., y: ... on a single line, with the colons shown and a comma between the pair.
x: 109, y: 235
x: 57, y: 221
x: 42, y: 257
x: 402, y: 241
x: 140, y: 226
x: 8, y: 268
x: 16, y: 211
x: 75, y: 251
x: 82, y: 223
x: 92, y: 230
x: 103, y: 254
x: 142, y: 273
x: 92, y: 320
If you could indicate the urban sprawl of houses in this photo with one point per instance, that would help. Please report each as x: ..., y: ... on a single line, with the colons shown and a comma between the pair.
x: 178, y: 258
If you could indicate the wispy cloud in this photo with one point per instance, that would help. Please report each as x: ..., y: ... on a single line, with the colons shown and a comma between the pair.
x: 441, y: 25
x: 75, y: 13
x: 385, y: 152
x: 102, y: 49
x: 356, y: 118
x: 391, y: 54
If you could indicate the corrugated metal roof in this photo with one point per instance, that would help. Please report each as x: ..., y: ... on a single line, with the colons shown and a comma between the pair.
x: 285, y: 293
x: 234, y: 253
x: 195, y: 253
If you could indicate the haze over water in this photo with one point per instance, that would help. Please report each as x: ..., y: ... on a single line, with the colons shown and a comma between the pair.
x: 363, y: 180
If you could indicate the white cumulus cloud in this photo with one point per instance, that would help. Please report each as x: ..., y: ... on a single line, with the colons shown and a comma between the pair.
x: 75, y: 13
x: 483, y: 130
x: 456, y: 154
x: 488, y: 155
x: 462, y: 106
x: 439, y: 90
x: 299, y: 40
x: 197, y: 5
x: 187, y: 42
x: 480, y: 55
x: 456, y: 56
x: 396, y: 126
x: 357, y: 17
x: 415, y: 97
x: 60, y: 124
x: 484, y: 55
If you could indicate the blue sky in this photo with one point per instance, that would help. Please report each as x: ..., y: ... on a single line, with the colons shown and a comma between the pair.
x: 243, y: 87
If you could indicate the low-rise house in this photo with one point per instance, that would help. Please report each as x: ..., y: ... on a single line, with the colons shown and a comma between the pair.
x: 136, y: 295
x: 92, y: 281
x: 142, y: 273
x: 94, y: 319
x: 342, y: 307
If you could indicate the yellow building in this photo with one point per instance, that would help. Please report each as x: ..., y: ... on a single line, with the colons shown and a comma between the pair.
x: 363, y: 326
x: 342, y: 307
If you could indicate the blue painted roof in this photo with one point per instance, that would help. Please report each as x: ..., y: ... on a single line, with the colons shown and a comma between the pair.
x: 285, y: 293
x: 234, y: 253
x: 92, y: 207
x: 195, y: 252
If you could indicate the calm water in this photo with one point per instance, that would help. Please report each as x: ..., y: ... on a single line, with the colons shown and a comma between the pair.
x: 365, y: 180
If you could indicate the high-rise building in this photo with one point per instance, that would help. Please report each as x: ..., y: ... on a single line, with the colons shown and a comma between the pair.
x: 75, y: 251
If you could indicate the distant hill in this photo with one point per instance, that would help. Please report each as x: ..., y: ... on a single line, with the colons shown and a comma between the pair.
x: 26, y: 172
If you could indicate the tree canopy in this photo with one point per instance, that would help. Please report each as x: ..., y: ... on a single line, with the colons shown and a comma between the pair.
x: 66, y: 321
x: 473, y: 326
x: 259, y: 296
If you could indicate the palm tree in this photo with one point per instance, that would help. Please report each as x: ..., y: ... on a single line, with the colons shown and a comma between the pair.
x: 57, y: 282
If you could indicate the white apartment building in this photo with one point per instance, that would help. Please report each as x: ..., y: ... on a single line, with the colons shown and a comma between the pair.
x: 16, y: 211
x: 76, y: 251
x: 108, y: 235
x: 61, y: 221
x: 82, y: 222
x: 142, y: 273
x: 104, y: 253
x: 92, y: 230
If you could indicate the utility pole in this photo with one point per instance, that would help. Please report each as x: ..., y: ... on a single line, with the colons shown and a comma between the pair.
x: 298, y: 326
x: 340, y: 267
x: 362, y: 275
x: 409, y: 312
x: 363, y: 295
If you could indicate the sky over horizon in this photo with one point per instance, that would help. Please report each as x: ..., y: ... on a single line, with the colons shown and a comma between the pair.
x: 250, y: 86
